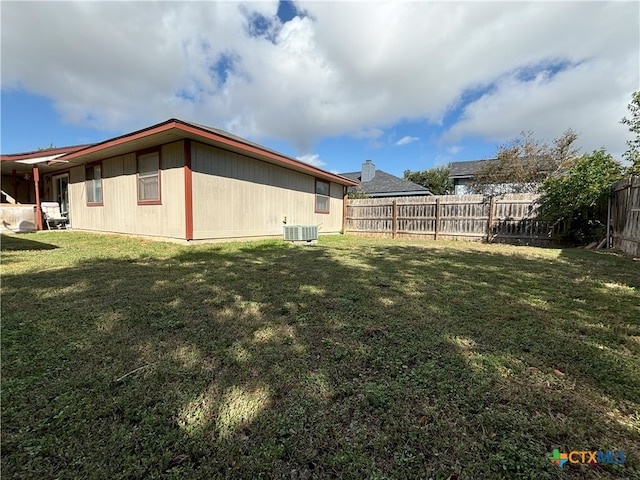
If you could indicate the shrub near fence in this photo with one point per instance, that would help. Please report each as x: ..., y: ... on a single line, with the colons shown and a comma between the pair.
x: 508, y: 218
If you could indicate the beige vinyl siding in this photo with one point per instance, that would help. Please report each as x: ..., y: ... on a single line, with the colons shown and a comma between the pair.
x: 235, y: 196
x: 121, y: 212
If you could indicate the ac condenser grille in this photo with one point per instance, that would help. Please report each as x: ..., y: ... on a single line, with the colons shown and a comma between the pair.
x: 300, y: 233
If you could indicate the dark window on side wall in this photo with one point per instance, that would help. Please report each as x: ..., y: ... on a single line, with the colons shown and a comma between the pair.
x: 322, y: 196
x: 93, y: 177
x: 149, y: 178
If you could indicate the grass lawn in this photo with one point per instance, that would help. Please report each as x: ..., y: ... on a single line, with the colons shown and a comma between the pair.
x: 353, y: 358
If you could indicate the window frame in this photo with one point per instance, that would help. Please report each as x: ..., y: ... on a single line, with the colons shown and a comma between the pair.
x: 142, y: 153
x: 318, y: 195
x: 92, y: 165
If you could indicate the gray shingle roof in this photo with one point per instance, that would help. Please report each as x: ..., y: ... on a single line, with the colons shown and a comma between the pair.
x: 384, y: 183
x: 231, y: 136
x: 466, y: 169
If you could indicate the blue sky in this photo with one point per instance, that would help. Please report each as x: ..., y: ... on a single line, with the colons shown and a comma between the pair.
x: 409, y: 85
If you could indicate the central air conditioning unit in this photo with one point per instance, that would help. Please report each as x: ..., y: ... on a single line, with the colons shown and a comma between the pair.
x: 300, y: 233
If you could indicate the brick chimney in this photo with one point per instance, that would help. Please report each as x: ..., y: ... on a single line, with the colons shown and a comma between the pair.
x: 368, y: 171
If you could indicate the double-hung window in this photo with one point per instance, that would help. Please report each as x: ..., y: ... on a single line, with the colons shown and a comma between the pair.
x: 322, y: 196
x: 93, y: 182
x: 149, y: 178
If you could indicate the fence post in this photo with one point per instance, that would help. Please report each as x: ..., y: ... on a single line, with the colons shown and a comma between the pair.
x: 609, y: 218
x: 474, y: 218
x: 345, y: 199
x: 492, y: 204
x: 437, y: 232
x: 394, y: 220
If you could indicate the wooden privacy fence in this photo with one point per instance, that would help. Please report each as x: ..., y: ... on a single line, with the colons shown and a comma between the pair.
x: 509, y: 218
x: 625, y: 215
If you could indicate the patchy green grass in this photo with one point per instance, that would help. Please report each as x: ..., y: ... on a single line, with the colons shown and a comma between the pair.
x: 354, y: 358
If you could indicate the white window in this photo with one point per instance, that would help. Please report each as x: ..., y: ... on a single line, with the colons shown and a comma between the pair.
x: 149, y: 178
x: 93, y: 177
x: 322, y: 196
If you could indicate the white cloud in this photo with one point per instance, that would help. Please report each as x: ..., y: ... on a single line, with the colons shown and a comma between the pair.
x: 406, y: 140
x: 312, y: 159
x: 122, y: 65
x: 442, y: 160
x: 577, y: 98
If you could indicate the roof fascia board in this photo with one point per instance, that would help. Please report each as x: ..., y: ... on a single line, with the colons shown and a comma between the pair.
x: 43, y: 154
x: 281, y: 159
x: 114, y: 142
x: 194, y: 130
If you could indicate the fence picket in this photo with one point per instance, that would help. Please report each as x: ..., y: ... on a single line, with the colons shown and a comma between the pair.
x: 625, y: 215
x: 509, y: 218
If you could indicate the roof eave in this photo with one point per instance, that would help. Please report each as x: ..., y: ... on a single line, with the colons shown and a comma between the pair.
x: 181, y: 130
x: 44, y: 154
x: 400, y: 193
x: 466, y: 175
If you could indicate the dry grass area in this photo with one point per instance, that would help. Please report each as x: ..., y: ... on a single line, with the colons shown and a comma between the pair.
x: 354, y: 358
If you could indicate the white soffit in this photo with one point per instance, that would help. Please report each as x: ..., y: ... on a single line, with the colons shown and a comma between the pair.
x: 33, y: 161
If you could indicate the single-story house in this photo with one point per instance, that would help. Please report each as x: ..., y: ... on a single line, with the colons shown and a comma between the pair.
x: 178, y: 180
x: 462, y: 174
x: 376, y: 183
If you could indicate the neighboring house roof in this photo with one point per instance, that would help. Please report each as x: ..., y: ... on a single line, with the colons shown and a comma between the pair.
x: 170, y: 131
x: 385, y: 184
x: 466, y: 169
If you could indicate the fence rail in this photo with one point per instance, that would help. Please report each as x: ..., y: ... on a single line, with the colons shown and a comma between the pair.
x: 508, y: 219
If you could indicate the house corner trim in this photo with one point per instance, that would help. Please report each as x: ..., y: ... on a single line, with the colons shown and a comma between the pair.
x: 188, y: 191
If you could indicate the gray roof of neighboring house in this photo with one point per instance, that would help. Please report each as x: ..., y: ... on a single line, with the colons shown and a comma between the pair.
x: 385, y: 183
x: 466, y: 169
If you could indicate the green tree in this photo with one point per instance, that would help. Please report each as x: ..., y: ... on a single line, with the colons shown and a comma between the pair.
x: 524, y: 163
x: 435, y: 179
x: 578, y: 197
x: 355, y: 193
x: 633, y: 146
